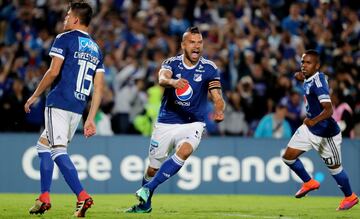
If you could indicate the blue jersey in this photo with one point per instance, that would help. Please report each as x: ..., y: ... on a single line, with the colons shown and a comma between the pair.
x: 179, y: 106
x: 82, y: 59
x: 316, y: 92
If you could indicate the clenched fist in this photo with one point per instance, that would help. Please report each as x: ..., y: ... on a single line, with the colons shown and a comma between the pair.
x: 299, y: 76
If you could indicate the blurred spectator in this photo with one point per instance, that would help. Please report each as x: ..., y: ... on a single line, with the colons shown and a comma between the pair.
x: 274, y: 125
x: 178, y: 24
x: 103, y: 124
x: 34, y: 121
x: 143, y: 122
x: 234, y: 122
x: 294, y: 21
x: 343, y: 114
x: 212, y: 127
x: 125, y: 93
x: 296, y: 111
x: 12, y: 105
x: 257, y: 45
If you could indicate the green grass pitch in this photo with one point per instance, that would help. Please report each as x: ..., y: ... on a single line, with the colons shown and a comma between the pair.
x: 184, y: 206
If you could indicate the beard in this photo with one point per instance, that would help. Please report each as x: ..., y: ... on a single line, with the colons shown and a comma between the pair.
x: 188, y: 56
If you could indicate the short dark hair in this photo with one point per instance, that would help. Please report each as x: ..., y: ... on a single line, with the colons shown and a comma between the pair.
x: 314, y: 53
x: 83, y: 10
x: 193, y: 30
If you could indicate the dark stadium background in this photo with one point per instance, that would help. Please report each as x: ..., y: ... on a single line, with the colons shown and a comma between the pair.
x: 257, y: 46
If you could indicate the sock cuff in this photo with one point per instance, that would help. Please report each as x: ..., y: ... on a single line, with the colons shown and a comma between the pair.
x: 336, y: 171
x: 177, y: 160
x: 56, y: 152
x: 147, y: 178
x: 289, y: 162
x: 42, y: 148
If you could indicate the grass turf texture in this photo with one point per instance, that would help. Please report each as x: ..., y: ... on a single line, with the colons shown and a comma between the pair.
x: 184, y: 206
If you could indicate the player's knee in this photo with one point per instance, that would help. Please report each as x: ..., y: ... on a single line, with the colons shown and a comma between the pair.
x: 292, y: 153
x: 44, y: 141
x: 335, y: 169
x: 43, y: 146
x: 151, y: 171
x: 288, y: 161
x: 184, y: 151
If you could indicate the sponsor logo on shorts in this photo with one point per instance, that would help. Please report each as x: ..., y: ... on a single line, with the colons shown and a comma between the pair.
x: 153, y: 146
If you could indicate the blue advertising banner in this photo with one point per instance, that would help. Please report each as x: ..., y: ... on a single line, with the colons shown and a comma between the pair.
x: 221, y: 165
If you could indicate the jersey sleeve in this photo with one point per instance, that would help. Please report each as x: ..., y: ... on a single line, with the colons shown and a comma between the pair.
x: 214, y: 80
x: 58, y: 48
x: 321, y: 89
x: 100, y: 66
x: 167, y: 64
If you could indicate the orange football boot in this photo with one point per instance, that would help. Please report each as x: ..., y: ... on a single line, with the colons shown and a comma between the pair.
x: 307, y: 187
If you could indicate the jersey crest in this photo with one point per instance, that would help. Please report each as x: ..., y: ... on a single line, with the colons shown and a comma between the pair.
x: 197, y: 77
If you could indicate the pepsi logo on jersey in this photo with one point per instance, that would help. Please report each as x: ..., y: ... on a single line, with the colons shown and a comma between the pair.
x: 185, y: 93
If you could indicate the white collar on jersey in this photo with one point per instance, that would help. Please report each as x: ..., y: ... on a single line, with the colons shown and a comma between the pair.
x: 82, y: 31
x: 312, y: 76
x: 189, y: 67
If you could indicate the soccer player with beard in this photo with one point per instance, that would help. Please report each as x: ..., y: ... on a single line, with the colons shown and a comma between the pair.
x: 319, y: 131
x: 187, y: 78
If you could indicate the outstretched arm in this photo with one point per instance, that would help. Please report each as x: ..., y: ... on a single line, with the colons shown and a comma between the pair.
x: 45, y: 82
x: 89, y: 126
x: 219, y: 104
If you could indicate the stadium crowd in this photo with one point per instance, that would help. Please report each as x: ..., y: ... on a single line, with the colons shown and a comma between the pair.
x: 256, y: 44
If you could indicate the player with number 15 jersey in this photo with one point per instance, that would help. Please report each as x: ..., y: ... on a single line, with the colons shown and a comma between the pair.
x: 82, y: 59
x: 75, y: 67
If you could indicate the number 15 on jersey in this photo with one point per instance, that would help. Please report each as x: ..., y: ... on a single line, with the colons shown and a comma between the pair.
x: 83, y: 76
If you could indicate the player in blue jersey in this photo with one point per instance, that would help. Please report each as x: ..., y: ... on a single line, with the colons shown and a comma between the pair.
x: 319, y: 131
x: 76, y: 65
x: 187, y: 78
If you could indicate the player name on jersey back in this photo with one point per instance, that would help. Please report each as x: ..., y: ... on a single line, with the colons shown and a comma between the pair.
x: 82, y: 59
x: 87, y: 56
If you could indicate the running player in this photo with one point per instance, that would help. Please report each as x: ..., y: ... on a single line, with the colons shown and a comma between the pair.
x: 319, y: 131
x: 187, y: 78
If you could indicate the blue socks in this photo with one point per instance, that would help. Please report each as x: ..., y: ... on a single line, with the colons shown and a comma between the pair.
x: 169, y: 168
x: 144, y: 181
x: 69, y: 172
x: 298, y: 167
x: 46, y: 171
x: 343, y: 182
x: 339, y: 175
